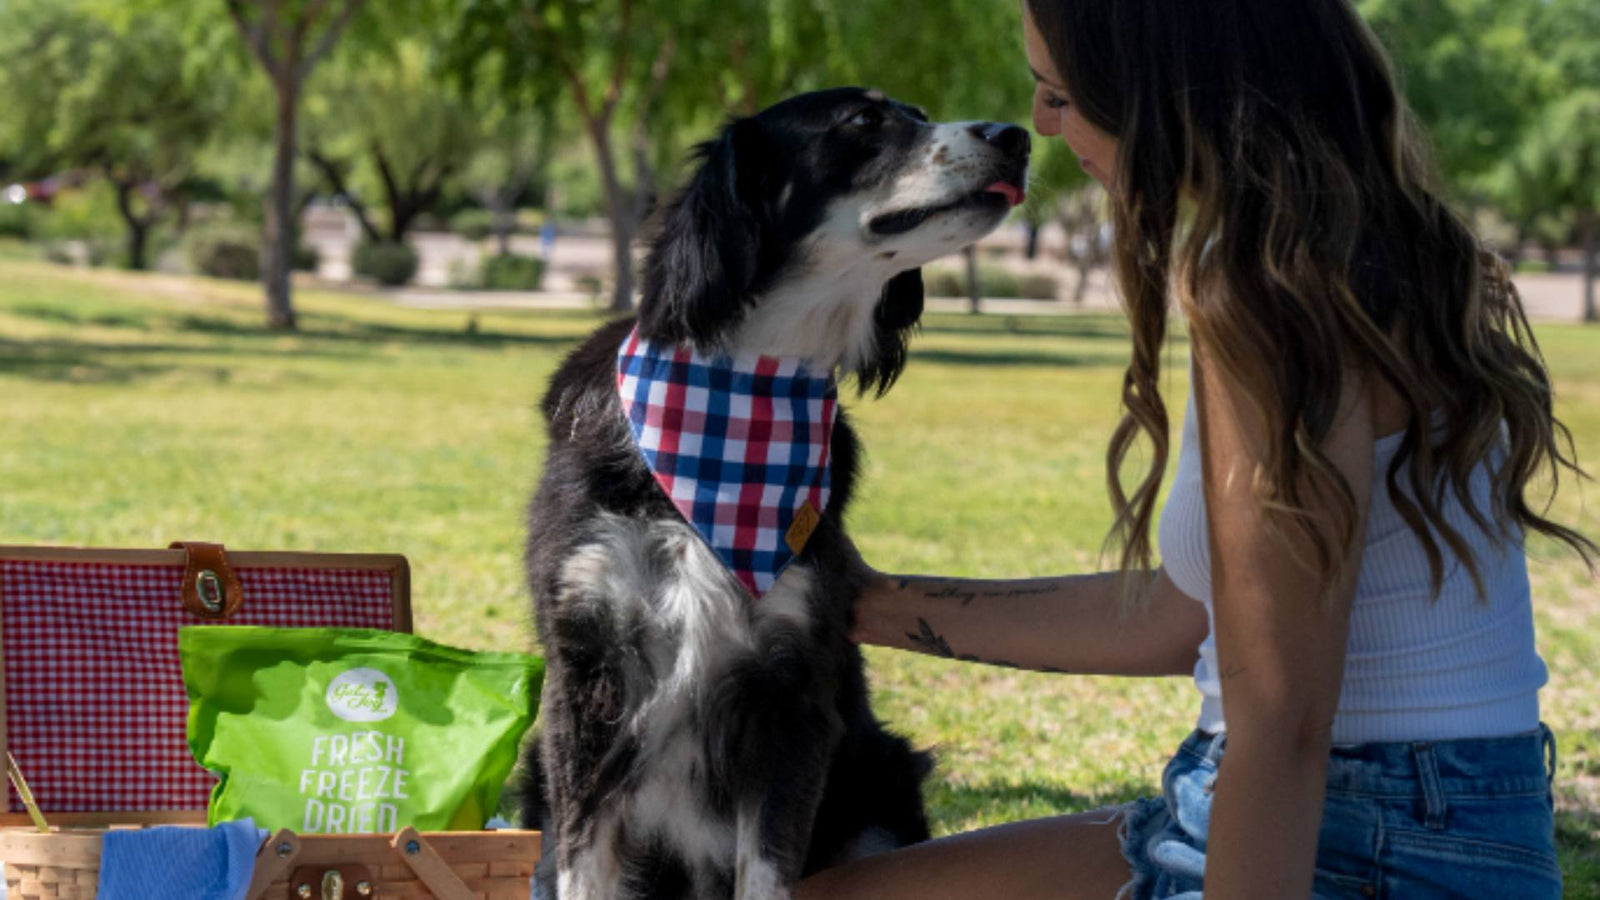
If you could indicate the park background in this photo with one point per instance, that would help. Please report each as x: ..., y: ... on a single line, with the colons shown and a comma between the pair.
x: 291, y: 274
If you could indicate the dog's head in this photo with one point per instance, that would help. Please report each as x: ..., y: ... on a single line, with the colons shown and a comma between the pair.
x: 801, y: 230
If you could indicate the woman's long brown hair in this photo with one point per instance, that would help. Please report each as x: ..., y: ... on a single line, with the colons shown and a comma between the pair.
x: 1271, y: 176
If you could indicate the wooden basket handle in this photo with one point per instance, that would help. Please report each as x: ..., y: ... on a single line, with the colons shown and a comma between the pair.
x: 273, y: 862
x: 431, y: 870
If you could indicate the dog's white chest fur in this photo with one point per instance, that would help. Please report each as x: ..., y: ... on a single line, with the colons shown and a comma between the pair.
x: 660, y: 577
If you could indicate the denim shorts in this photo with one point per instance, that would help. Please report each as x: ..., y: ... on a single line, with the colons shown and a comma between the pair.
x: 1461, y: 819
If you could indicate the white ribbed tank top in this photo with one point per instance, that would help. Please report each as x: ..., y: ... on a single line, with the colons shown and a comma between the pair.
x: 1415, y: 668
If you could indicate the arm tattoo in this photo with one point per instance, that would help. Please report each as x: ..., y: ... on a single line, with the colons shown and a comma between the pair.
x: 951, y: 592
x: 932, y: 643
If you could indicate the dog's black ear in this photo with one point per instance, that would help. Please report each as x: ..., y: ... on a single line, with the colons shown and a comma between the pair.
x: 897, y: 313
x: 706, y: 252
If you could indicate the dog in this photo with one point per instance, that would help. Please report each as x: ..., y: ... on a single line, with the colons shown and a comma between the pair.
x: 706, y: 735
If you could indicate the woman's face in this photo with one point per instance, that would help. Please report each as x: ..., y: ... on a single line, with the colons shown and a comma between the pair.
x: 1054, y: 114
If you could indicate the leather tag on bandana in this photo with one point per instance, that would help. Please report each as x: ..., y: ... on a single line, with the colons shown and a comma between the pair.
x: 805, y: 522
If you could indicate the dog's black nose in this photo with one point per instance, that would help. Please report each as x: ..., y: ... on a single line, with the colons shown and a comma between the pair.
x: 1008, y: 139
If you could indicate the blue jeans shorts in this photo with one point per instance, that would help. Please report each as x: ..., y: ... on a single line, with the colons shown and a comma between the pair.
x: 1460, y: 819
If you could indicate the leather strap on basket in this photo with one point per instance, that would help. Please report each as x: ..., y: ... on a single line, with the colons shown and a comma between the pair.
x: 211, y: 590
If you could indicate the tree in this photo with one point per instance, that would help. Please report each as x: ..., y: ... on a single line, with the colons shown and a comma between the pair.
x: 88, y: 89
x: 384, y: 124
x: 1554, y: 174
x: 516, y: 150
x: 1062, y: 190
x: 603, y: 54
x: 1471, y: 72
x: 645, y: 75
x: 288, y: 38
x: 1563, y: 155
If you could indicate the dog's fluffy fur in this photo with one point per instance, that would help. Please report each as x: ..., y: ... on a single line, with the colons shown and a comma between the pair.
x: 697, y: 742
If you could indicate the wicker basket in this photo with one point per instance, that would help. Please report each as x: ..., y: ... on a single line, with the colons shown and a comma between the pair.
x: 171, y: 588
x: 489, y: 865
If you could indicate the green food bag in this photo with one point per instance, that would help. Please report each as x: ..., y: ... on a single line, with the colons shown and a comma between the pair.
x: 349, y: 730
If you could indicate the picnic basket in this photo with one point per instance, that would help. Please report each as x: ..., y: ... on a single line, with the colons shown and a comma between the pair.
x: 92, y: 707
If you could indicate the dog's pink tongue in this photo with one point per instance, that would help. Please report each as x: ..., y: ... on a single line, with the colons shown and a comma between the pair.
x: 1006, y: 189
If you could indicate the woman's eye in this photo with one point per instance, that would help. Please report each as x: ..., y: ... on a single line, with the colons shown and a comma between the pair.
x: 1054, y: 102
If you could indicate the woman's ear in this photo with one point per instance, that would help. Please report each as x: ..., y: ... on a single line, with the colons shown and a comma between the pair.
x: 702, y: 263
x: 899, y: 309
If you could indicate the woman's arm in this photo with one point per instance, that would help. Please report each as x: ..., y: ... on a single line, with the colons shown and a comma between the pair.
x: 1071, y: 623
x: 1280, y: 645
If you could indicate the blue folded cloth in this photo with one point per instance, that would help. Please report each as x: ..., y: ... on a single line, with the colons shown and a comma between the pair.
x: 173, y: 861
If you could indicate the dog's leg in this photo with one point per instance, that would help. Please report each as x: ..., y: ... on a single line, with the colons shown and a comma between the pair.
x: 774, y: 830
x: 592, y: 871
x: 595, y: 682
x: 776, y: 735
x: 756, y: 876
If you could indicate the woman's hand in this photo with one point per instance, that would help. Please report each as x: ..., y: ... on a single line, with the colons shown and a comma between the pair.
x: 872, y: 608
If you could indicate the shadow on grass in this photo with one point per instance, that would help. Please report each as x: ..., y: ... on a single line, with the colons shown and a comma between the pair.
x: 313, y: 327
x: 953, y: 804
x: 91, y: 363
x: 1088, y: 326
x: 66, y: 360
x: 1578, y: 841
x: 70, y: 317
x: 373, y: 332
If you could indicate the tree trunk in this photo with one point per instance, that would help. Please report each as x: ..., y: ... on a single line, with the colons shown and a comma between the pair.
x: 335, y: 179
x: 1085, y: 268
x: 502, y: 220
x: 1591, y: 247
x: 621, y: 213
x: 280, y: 230
x: 1032, y: 250
x: 138, y: 227
x: 974, y: 295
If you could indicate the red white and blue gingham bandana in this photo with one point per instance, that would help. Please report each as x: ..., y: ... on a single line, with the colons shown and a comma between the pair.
x: 740, y: 444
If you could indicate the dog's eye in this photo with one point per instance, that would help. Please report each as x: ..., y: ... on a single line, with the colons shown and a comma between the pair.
x: 866, y: 117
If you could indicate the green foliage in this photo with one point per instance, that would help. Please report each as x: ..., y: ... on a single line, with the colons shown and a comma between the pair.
x: 1470, y: 71
x: 85, y: 87
x: 512, y: 273
x: 390, y: 263
x: 473, y: 224
x: 80, y: 91
x: 16, y: 219
x: 304, y: 258
x: 86, y: 216
x: 396, y: 130
x: 227, y: 250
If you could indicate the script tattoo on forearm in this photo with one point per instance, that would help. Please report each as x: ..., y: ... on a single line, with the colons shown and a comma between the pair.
x: 966, y: 596
x: 933, y: 643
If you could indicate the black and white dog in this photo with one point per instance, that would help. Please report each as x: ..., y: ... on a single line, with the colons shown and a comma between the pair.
x: 697, y: 741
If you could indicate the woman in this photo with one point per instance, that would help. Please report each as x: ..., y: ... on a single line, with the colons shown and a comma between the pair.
x: 1367, y: 408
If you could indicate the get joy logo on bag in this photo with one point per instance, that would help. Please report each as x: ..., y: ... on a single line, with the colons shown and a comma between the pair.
x: 362, y: 695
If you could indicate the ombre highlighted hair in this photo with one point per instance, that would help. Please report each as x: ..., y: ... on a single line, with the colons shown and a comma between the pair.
x: 1271, y: 178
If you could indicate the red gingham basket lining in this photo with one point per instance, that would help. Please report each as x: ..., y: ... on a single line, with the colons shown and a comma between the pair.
x: 95, y: 708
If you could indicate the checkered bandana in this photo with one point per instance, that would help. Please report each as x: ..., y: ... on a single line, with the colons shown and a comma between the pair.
x: 740, y: 444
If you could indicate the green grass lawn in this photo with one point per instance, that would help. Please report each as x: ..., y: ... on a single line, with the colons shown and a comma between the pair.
x: 139, y: 410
